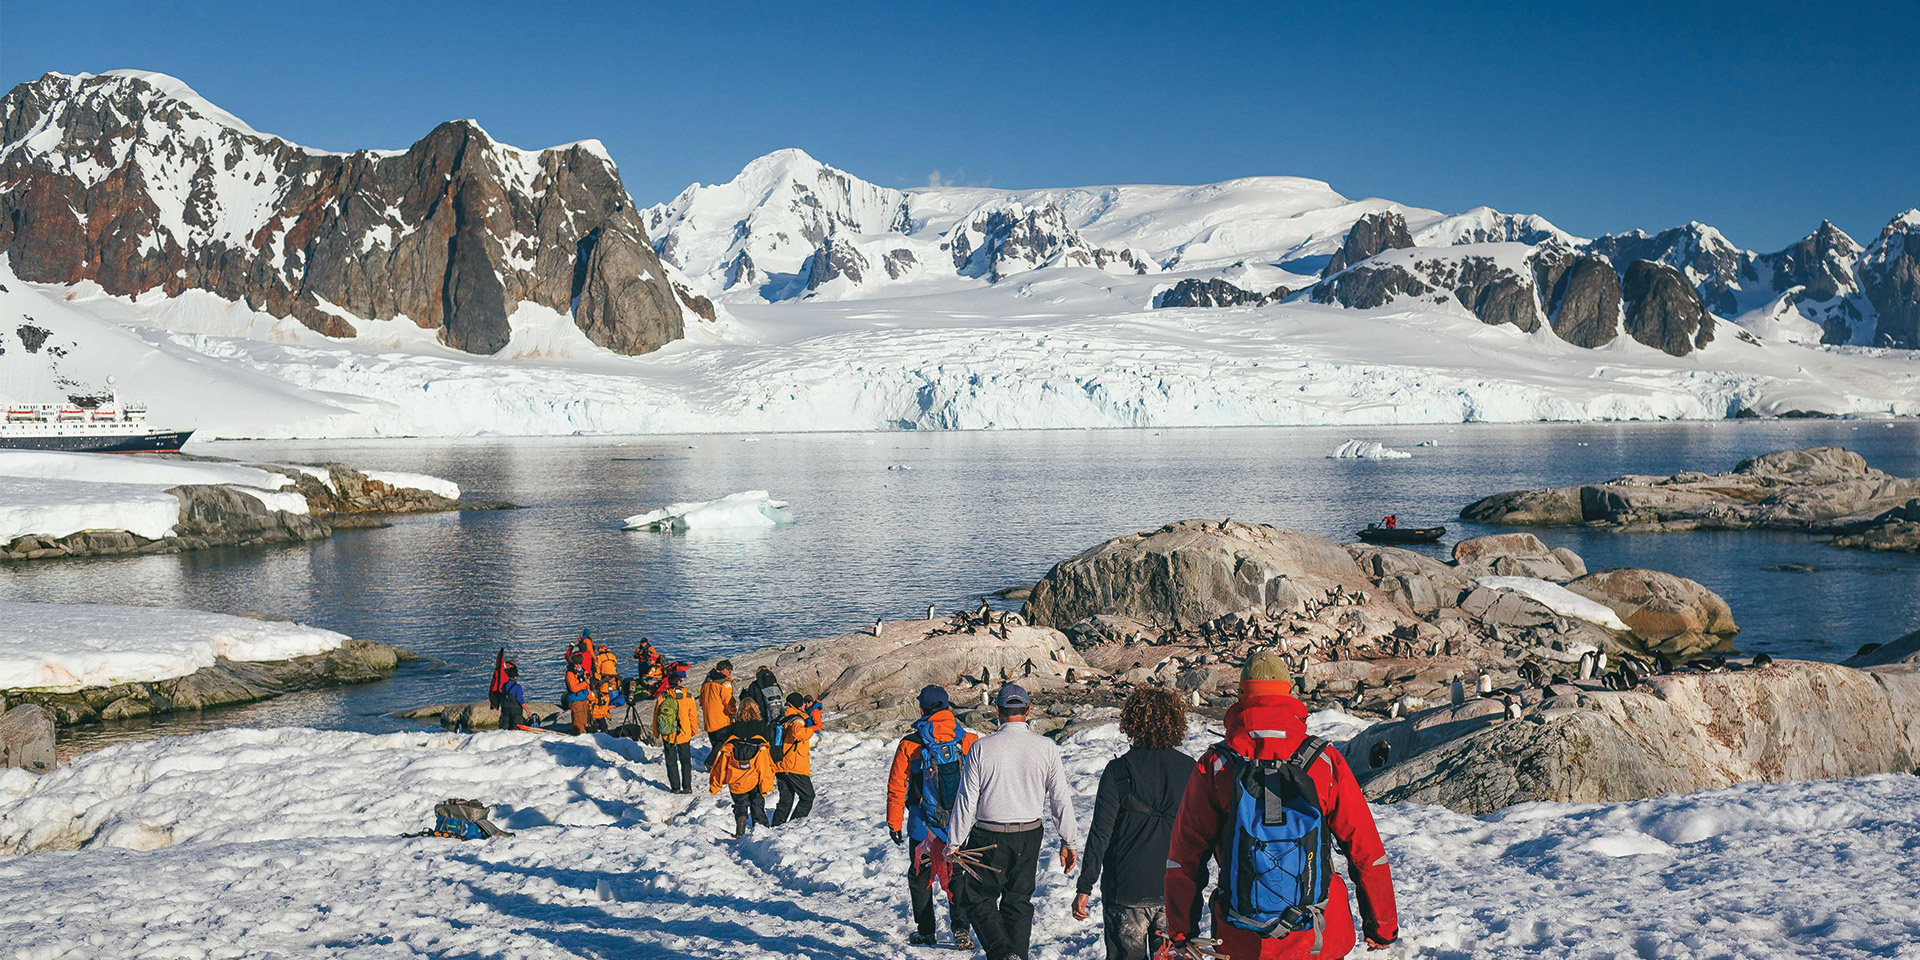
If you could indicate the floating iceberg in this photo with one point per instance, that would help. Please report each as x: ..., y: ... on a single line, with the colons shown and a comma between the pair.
x: 1558, y: 599
x: 1367, y: 450
x: 747, y: 509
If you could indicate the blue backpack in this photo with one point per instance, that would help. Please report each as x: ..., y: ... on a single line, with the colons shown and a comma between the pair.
x: 1277, y: 855
x: 938, y: 766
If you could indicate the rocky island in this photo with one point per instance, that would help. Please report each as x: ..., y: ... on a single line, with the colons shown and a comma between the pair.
x: 1820, y: 490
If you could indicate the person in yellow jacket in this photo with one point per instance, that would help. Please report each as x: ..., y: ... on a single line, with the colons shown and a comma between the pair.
x: 744, y: 766
x: 579, y: 697
x: 717, y: 707
x: 793, y: 760
x: 674, y: 720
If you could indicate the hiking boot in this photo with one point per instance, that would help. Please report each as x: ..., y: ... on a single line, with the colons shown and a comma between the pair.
x: 962, y: 940
x: 739, y: 827
x: 918, y: 939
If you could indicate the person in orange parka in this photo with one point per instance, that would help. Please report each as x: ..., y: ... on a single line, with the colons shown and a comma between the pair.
x: 906, y: 806
x: 1269, y: 724
x: 793, y: 770
x: 717, y: 706
x: 578, y: 698
x: 744, y: 765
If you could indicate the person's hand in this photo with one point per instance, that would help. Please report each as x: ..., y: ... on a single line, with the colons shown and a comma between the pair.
x: 1373, y: 944
x: 1067, y: 858
x: 1080, y: 906
x: 899, y: 839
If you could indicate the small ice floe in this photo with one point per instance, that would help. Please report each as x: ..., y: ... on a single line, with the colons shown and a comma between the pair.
x: 747, y: 509
x: 901, y: 467
x: 1367, y: 450
x: 1428, y: 443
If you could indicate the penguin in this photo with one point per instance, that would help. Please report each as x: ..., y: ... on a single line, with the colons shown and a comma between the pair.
x: 1661, y: 665
x: 1599, y: 662
x: 1194, y: 698
x: 1586, y: 665
x: 1404, y: 705
x: 1456, y: 693
x: 1377, y: 757
x: 1394, y: 711
x: 877, y: 624
x: 1026, y: 669
x: 1514, y: 709
x: 1614, y: 681
x: 1486, y: 684
x: 1761, y: 660
x: 1530, y: 673
x: 929, y: 611
x: 1072, y: 676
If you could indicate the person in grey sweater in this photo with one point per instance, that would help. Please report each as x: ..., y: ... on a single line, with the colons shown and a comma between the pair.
x: 1012, y: 779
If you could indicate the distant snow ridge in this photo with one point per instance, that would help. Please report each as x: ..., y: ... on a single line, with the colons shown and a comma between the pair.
x: 745, y: 510
x: 1367, y: 450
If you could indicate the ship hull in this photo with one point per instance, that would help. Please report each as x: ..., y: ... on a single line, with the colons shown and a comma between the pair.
x: 155, y: 441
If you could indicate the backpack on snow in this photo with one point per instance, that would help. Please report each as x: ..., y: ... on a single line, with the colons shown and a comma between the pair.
x: 666, y: 717
x: 463, y: 820
x: 938, y: 764
x: 1277, y: 852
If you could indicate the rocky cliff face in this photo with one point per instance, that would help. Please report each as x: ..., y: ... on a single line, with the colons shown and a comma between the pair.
x: 1718, y: 268
x: 134, y: 182
x: 1662, y: 310
x: 1015, y: 238
x: 1193, y: 292
x: 1372, y: 234
x: 1586, y: 302
x: 1890, y: 277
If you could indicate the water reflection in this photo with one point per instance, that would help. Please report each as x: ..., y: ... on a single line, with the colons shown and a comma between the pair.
x: 975, y: 512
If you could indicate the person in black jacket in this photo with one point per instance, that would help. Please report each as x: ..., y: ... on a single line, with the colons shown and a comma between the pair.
x: 1133, y: 818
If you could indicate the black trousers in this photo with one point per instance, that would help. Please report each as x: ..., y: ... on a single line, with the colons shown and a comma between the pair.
x: 796, y: 797
x: 714, y: 740
x: 512, y: 716
x: 752, y: 805
x: 679, y: 767
x: 999, y: 902
x: 920, y: 890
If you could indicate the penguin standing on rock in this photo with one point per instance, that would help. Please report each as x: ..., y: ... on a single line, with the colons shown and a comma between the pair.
x: 1377, y: 757
x: 1514, y: 710
x: 1586, y: 665
x: 1456, y: 693
x: 1762, y: 660
x: 1486, y: 684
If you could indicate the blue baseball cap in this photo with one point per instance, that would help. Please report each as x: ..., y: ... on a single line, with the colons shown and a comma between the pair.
x: 933, y: 697
x: 1012, y: 695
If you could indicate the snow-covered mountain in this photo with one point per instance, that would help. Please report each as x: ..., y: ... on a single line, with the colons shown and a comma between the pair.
x: 247, y: 286
x: 132, y: 181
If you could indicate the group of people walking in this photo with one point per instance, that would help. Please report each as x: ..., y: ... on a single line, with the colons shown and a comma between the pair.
x: 1266, y: 806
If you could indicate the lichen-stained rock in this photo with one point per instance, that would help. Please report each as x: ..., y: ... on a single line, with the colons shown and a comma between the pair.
x: 1889, y: 274
x: 1192, y: 571
x: 1514, y: 555
x: 1669, y: 614
x: 1790, y: 720
x: 1422, y: 583
x: 453, y: 233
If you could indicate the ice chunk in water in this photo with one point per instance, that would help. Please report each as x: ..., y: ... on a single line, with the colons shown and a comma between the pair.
x: 749, y: 508
x: 1367, y: 450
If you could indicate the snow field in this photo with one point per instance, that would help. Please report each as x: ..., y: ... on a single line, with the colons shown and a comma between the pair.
x: 69, y: 646
x: 284, y: 842
x: 53, y: 494
x: 1558, y: 599
x: 416, y: 481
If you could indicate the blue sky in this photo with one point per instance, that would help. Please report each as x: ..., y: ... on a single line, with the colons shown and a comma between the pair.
x: 1758, y: 118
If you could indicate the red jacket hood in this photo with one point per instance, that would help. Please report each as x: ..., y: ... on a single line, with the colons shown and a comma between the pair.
x: 1266, y: 727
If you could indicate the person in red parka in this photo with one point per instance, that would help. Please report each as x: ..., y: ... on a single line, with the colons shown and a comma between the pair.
x: 1269, y: 724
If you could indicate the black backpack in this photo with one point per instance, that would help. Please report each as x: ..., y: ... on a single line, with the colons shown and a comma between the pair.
x: 745, y: 749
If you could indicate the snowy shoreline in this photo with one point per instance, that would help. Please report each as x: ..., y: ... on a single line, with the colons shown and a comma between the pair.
x: 288, y: 841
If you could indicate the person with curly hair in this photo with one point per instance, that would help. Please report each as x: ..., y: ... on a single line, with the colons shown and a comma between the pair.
x: 1133, y: 818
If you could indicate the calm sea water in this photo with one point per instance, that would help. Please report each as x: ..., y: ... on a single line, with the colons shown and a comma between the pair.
x: 958, y: 515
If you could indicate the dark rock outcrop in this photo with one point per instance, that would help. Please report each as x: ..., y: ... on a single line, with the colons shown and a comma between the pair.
x: 1194, y: 292
x: 1890, y: 278
x: 452, y: 233
x: 1366, y: 287
x: 1694, y: 248
x: 1370, y: 235
x: 835, y: 259
x: 26, y: 738
x: 1585, y: 305
x: 1662, y: 309
x: 225, y: 683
